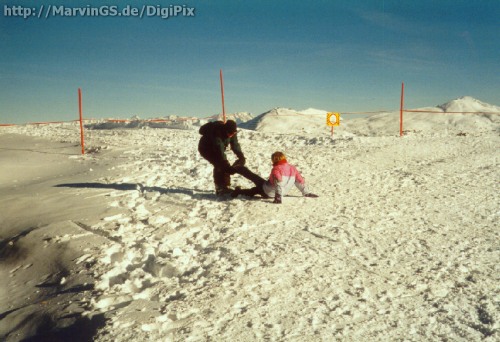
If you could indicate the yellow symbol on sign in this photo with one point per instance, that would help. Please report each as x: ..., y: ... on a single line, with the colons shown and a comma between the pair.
x: 329, y: 121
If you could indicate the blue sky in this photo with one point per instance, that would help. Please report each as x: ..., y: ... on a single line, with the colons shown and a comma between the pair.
x: 331, y: 55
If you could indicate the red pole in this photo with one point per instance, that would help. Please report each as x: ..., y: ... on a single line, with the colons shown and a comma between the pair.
x: 401, y: 109
x: 81, y: 119
x: 222, y: 91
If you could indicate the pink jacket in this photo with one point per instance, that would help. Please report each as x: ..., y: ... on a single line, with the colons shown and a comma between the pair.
x: 283, y: 177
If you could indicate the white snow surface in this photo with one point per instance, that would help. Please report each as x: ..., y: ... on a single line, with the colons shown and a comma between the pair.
x: 401, y: 245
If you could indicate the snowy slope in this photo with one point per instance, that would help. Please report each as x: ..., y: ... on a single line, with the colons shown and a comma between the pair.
x: 468, y: 104
x: 479, y: 116
x: 402, y: 243
x: 284, y: 120
x: 430, y: 120
x: 239, y: 117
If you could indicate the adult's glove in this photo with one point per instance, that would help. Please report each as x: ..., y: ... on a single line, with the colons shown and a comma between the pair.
x: 226, y: 167
x: 240, y: 161
x: 277, y: 199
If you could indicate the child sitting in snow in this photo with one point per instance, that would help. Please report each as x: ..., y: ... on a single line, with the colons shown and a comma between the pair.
x: 283, y: 177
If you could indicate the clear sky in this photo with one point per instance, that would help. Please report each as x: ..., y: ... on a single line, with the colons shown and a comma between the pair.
x: 333, y: 55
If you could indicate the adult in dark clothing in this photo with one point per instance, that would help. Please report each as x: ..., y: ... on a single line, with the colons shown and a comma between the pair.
x: 216, y: 137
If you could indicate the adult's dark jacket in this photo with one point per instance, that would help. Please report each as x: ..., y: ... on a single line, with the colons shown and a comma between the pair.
x: 214, y: 142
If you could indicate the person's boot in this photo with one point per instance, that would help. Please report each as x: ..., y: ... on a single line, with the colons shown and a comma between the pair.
x: 236, y: 192
x: 247, y: 192
x: 222, y: 190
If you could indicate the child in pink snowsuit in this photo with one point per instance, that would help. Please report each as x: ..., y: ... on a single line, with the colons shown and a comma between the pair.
x: 282, y: 179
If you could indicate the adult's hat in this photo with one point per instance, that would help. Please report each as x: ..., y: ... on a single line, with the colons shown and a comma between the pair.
x: 230, y: 126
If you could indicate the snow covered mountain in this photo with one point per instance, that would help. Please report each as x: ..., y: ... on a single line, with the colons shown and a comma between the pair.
x: 239, y: 117
x: 465, y: 114
x: 474, y: 116
x: 462, y: 114
x: 468, y: 104
x: 285, y: 120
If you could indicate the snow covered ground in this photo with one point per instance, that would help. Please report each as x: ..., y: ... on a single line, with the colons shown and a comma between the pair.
x: 129, y: 242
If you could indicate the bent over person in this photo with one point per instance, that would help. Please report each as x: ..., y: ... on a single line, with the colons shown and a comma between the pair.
x: 216, y: 137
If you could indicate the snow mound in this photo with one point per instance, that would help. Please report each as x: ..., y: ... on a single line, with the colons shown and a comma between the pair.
x: 239, y: 117
x: 465, y: 114
x: 143, y: 124
x: 468, y: 104
x: 313, y: 111
x: 286, y: 120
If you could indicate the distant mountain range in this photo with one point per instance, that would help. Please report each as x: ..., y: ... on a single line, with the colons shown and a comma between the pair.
x: 459, y: 114
x: 468, y: 104
x: 285, y: 120
x: 239, y: 117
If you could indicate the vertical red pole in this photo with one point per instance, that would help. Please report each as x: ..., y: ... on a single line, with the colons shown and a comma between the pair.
x: 81, y: 119
x: 222, y: 91
x: 401, y: 109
